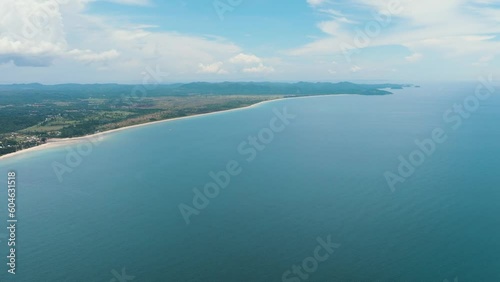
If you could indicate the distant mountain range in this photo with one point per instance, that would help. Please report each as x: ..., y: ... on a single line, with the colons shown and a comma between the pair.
x: 65, y: 91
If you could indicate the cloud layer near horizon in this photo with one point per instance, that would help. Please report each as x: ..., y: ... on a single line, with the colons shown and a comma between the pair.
x: 44, y: 40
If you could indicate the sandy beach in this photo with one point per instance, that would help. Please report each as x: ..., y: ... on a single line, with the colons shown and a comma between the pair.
x: 51, y: 143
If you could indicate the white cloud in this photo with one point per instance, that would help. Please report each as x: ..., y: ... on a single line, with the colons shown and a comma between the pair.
x: 332, y: 12
x: 355, y: 68
x: 242, y: 58
x: 88, y: 56
x: 316, y: 3
x: 30, y: 30
x: 212, y: 68
x: 457, y: 31
x: 251, y: 63
x: 330, y: 27
x: 414, y: 57
x: 259, y: 69
x: 68, y: 37
x: 69, y: 34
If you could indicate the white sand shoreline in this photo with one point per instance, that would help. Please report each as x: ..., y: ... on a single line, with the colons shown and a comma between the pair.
x: 51, y: 143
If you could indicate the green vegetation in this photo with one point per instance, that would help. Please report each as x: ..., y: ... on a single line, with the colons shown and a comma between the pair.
x: 32, y: 113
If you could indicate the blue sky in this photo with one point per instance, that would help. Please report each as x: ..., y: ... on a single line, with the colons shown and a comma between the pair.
x: 87, y: 41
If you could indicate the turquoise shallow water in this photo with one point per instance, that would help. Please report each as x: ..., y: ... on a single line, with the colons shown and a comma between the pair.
x: 322, y: 176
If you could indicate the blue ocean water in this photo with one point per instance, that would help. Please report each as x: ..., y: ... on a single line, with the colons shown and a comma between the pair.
x: 112, y: 213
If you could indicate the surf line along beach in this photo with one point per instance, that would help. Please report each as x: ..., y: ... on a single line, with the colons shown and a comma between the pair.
x: 58, y: 142
x: 100, y: 136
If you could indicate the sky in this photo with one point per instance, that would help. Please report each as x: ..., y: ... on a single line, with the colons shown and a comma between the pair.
x: 153, y: 41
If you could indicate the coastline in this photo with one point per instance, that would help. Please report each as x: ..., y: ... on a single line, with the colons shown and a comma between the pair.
x: 52, y: 143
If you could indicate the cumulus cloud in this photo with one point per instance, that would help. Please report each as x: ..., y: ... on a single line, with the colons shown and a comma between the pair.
x: 242, y: 58
x: 31, y: 32
x: 37, y: 32
x: 251, y: 63
x: 212, y: 68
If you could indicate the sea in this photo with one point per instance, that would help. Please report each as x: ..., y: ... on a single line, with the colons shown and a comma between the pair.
x: 401, y: 187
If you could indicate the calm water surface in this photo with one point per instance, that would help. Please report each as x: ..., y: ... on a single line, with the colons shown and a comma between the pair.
x: 322, y: 176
